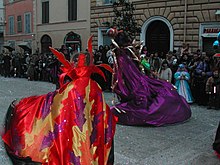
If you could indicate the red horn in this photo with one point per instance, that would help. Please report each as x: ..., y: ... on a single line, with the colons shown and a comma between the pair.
x: 61, y: 58
x: 89, y: 45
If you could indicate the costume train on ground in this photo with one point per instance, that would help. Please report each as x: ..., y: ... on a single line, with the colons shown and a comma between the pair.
x: 143, y: 100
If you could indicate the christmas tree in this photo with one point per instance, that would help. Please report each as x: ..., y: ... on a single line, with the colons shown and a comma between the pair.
x: 124, y: 18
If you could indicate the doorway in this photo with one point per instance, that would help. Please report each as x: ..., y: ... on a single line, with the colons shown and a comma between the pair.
x: 73, y: 42
x: 158, y: 37
x: 46, y: 42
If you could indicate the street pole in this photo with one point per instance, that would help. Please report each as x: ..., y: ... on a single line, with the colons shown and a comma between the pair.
x: 185, y: 12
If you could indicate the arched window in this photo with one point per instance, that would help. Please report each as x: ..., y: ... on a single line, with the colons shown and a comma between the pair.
x: 45, y: 43
x: 73, y: 42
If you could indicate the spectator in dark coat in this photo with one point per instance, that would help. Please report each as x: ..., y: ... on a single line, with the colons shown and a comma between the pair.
x: 7, y: 64
x: 201, y: 73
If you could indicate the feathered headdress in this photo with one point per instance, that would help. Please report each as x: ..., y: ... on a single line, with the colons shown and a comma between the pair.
x: 75, y: 71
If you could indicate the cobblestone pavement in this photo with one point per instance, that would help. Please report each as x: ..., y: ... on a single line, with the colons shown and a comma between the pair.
x: 188, y: 143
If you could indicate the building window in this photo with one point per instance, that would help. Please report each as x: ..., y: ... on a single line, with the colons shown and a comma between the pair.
x: 103, y: 39
x: 19, y: 24
x: 27, y: 22
x: 10, y: 1
x: 45, y: 12
x: 11, y: 25
x: 73, y: 40
x: 72, y: 10
x: 106, y: 2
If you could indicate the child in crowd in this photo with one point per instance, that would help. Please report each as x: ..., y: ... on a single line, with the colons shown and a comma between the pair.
x: 165, y: 73
x: 182, y: 77
x: 213, y: 90
x: 145, y: 63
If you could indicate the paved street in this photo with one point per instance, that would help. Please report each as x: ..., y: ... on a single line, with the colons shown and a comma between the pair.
x: 188, y: 143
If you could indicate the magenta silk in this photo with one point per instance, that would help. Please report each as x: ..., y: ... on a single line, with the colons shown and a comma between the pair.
x: 145, y: 100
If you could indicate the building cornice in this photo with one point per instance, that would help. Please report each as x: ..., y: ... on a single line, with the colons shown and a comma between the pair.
x: 64, y: 22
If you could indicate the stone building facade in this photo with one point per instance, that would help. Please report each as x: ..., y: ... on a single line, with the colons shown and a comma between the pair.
x: 165, y: 24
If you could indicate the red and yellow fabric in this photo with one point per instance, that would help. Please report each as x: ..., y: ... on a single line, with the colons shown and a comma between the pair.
x: 71, y: 126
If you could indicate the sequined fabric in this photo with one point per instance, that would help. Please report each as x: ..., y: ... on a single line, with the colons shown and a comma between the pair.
x: 70, y: 126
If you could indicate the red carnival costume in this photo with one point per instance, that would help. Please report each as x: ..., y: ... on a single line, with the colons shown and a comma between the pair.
x: 71, y: 126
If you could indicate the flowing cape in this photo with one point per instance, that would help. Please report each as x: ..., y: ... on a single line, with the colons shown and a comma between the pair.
x: 145, y: 100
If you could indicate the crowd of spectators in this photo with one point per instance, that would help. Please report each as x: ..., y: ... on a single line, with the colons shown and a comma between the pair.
x: 204, y: 77
x: 204, y: 80
x: 38, y: 67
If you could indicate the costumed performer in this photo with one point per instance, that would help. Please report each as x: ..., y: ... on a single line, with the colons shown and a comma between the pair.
x: 72, y: 125
x: 182, y: 77
x: 143, y: 100
x: 216, y: 143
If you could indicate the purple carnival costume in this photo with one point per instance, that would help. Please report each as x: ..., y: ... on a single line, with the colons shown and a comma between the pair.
x: 143, y: 100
